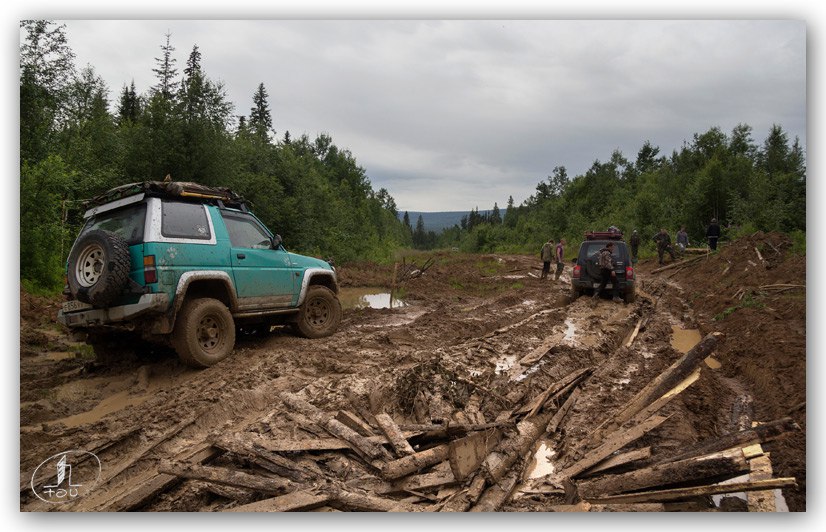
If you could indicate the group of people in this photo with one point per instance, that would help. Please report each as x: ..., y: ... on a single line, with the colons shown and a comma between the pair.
x: 549, y: 253
x: 663, y: 241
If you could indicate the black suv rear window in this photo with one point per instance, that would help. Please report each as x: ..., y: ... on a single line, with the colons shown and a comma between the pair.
x: 184, y: 220
x: 592, y: 248
x: 127, y: 222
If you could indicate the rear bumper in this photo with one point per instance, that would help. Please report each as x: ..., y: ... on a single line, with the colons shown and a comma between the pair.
x: 147, y: 304
x: 622, y: 285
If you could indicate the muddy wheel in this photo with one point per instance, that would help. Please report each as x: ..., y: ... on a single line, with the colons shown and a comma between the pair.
x: 98, y: 267
x: 320, y: 313
x: 630, y: 296
x: 204, y: 332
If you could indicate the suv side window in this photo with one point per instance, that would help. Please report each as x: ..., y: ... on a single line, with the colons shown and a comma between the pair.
x: 184, y: 220
x: 245, y: 232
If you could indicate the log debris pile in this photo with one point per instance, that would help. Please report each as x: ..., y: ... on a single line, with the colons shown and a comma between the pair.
x: 363, y: 459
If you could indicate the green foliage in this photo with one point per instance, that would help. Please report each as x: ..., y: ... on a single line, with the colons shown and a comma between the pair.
x: 311, y: 192
x: 798, y: 242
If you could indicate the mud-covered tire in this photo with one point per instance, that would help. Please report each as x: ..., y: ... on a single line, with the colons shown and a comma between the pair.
x: 204, y: 332
x: 98, y: 267
x: 630, y: 296
x: 320, y: 313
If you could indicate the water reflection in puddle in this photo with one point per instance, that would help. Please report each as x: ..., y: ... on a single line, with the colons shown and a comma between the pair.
x: 684, y: 339
x: 541, y: 464
x: 366, y: 297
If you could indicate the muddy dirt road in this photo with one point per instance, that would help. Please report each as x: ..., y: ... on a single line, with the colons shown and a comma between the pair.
x: 477, y: 338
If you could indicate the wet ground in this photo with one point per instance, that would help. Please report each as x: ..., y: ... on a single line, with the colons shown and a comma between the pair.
x: 467, y: 325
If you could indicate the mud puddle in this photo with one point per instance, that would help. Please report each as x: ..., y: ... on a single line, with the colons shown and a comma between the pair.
x: 367, y: 297
x: 684, y: 339
x: 541, y: 464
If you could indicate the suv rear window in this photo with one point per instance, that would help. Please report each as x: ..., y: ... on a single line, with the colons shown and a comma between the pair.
x: 184, y: 220
x: 592, y: 248
x: 127, y: 222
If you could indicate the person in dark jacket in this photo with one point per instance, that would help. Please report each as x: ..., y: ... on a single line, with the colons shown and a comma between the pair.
x: 635, y: 245
x: 663, y: 244
x: 547, y: 254
x: 560, y: 258
x: 606, y: 268
x: 712, y: 234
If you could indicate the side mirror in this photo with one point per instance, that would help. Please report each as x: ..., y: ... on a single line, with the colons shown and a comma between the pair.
x: 276, y: 241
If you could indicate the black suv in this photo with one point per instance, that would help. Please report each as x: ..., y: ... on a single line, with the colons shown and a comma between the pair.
x: 586, y: 274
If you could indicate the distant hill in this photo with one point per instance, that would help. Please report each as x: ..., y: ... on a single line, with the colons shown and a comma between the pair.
x: 436, y: 221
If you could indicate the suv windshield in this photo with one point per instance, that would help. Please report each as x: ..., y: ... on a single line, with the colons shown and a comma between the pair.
x: 127, y: 222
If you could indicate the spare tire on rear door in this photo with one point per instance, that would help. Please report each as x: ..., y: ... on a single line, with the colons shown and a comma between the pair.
x: 98, y: 267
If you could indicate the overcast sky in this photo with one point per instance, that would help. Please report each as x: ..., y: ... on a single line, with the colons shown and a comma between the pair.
x: 454, y: 114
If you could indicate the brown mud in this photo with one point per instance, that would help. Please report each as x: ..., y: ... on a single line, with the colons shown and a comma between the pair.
x: 454, y: 348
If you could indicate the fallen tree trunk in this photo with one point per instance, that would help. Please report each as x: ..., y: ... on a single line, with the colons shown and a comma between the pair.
x: 222, y: 475
x: 412, y: 463
x: 620, y: 460
x: 535, y: 404
x: 275, y: 463
x: 696, y: 491
x: 497, y: 463
x: 394, y: 435
x: 727, y: 464
x: 675, y: 264
x: 499, y: 493
x: 296, y: 501
x: 350, y: 500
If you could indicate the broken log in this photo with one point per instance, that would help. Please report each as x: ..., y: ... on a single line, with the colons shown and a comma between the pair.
x: 543, y: 349
x: 760, y: 256
x: 585, y: 506
x: 465, y: 455
x: 760, y: 434
x: 362, y: 445
x: 726, y: 464
x: 462, y: 500
x: 297, y: 501
x: 500, y: 492
x: 426, y: 481
x: 450, y: 430
x: 614, y: 443
x: 761, y: 501
x: 675, y: 264
x: 697, y: 491
x: 222, y: 475
x: 412, y: 463
x: 394, y: 435
x: 499, y: 462
x: 241, y: 495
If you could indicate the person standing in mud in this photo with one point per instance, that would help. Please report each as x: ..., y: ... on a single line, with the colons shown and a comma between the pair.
x: 606, y: 268
x: 560, y: 257
x: 635, y: 245
x: 682, y: 238
x: 547, y: 254
x: 712, y: 234
x: 663, y: 244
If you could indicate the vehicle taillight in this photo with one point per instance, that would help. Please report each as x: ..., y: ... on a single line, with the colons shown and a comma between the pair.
x: 629, y: 272
x: 577, y: 271
x: 150, y: 275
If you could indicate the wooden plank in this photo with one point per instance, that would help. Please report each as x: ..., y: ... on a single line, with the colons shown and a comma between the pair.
x: 535, y: 404
x: 620, y: 460
x: 394, y: 435
x: 465, y: 455
x: 543, y: 349
x: 726, y: 464
x: 279, y: 445
x: 297, y: 501
x: 247, y: 448
x: 223, y: 475
x: 613, y: 444
x: 760, y: 468
x: 553, y: 424
x: 585, y: 506
x: 462, y: 500
x: 351, y: 420
x: 666, y: 398
x: 675, y: 264
x: 426, y: 481
x: 351, y: 500
x: 697, y: 491
x: 499, y: 461
x: 634, y: 334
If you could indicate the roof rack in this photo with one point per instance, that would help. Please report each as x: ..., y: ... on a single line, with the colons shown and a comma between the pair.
x: 603, y: 235
x: 172, y: 189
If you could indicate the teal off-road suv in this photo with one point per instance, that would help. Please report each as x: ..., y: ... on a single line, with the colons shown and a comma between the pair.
x: 187, y: 264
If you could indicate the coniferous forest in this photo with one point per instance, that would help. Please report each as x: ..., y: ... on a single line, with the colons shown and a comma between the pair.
x: 75, y: 144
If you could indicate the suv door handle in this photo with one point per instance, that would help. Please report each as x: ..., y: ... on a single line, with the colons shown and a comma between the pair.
x: 241, y: 256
